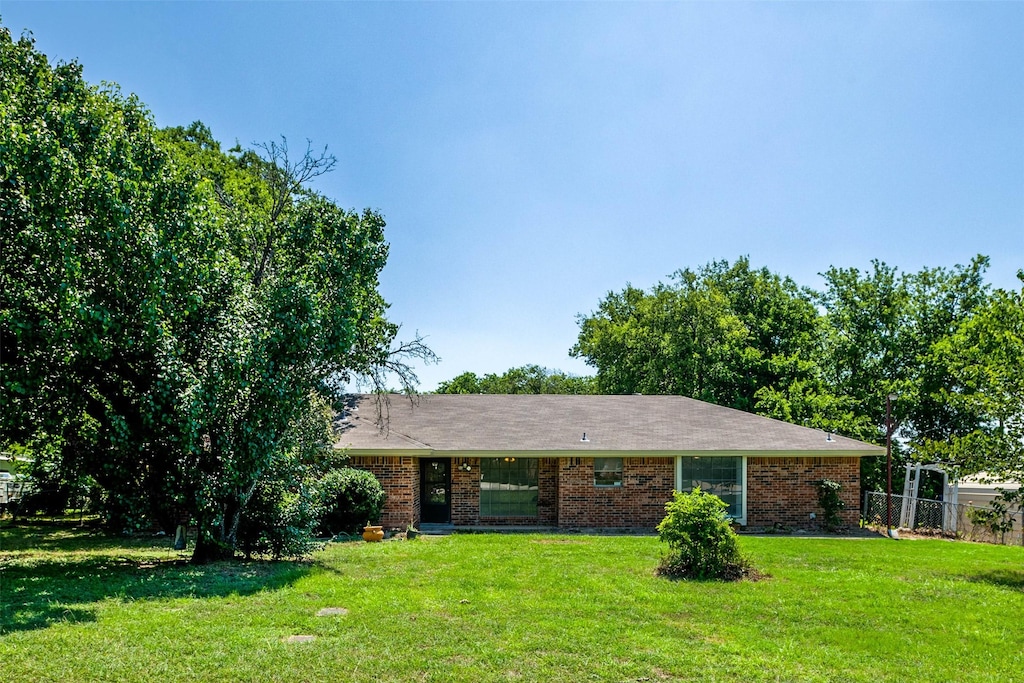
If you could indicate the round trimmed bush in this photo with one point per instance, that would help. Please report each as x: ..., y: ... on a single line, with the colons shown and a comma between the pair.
x: 349, y: 499
x: 702, y: 544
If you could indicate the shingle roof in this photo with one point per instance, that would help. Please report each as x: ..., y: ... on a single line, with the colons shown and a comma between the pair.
x: 556, y: 423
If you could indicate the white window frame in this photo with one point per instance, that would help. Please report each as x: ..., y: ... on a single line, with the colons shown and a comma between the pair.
x: 742, y: 519
x: 622, y: 473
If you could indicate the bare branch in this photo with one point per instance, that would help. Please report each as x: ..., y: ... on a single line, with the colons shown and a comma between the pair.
x: 223, y: 197
x: 398, y: 362
x: 285, y: 180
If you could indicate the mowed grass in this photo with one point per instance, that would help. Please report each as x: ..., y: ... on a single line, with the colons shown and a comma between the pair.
x: 81, y: 607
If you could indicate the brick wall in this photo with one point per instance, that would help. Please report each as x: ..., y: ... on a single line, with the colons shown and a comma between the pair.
x: 784, y: 490
x: 639, y: 503
x: 400, y: 477
x: 547, y: 492
x: 465, y: 494
x: 779, y: 491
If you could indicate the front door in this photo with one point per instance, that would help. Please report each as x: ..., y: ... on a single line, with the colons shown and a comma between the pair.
x: 435, y: 490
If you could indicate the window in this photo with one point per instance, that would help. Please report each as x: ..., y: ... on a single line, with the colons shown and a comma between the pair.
x: 607, y: 471
x: 508, y: 487
x: 722, y: 476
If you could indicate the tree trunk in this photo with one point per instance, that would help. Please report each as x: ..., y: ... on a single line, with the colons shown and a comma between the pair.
x: 210, y: 548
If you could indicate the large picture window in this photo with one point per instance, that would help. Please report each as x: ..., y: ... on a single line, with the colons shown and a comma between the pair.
x: 508, y: 487
x: 722, y: 476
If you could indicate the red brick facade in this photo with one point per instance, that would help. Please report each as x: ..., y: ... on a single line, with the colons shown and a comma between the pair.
x: 780, y: 490
x: 638, y: 504
x: 400, y: 477
x: 784, y: 490
x: 465, y: 492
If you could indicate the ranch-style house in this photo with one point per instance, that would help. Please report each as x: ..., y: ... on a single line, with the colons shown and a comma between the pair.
x: 588, y: 462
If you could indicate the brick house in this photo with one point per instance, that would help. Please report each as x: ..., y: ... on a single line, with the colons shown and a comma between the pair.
x: 575, y: 462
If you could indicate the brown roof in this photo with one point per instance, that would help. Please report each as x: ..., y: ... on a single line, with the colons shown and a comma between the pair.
x: 557, y: 423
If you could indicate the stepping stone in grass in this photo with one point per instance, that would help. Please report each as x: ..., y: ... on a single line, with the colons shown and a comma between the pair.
x: 332, y: 612
x: 300, y: 639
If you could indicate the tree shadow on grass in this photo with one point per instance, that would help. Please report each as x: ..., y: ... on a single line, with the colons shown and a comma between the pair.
x: 38, y: 591
x: 70, y: 536
x: 1005, y: 578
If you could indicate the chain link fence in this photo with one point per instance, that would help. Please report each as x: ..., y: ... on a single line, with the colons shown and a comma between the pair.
x: 939, y: 517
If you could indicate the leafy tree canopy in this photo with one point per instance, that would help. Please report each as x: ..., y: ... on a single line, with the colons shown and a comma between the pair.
x: 985, y: 358
x: 528, y: 379
x: 174, y: 319
x: 750, y: 339
x: 718, y: 334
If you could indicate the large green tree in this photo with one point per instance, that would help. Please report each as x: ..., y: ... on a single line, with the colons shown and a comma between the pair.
x: 719, y: 334
x: 884, y: 329
x: 985, y: 357
x: 753, y: 340
x: 173, y: 315
x: 307, y: 314
x: 105, y: 268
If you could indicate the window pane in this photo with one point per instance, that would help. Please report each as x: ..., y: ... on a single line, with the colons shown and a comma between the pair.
x: 718, y: 475
x: 508, y: 487
x: 607, y: 471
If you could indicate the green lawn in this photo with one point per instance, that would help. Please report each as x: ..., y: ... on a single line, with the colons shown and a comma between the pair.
x: 78, y: 607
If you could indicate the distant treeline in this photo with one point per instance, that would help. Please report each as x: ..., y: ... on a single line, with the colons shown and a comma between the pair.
x: 947, y: 345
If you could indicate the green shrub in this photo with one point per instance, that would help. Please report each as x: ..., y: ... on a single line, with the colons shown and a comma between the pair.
x: 702, y: 544
x: 349, y: 499
x: 279, y: 520
x: 831, y: 503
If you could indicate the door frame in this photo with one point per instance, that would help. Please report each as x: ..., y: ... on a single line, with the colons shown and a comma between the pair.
x: 435, y: 509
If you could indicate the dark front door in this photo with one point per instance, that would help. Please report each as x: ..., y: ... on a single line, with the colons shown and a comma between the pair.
x: 435, y: 490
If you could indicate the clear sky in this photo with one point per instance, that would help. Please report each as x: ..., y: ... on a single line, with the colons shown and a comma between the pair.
x: 531, y: 157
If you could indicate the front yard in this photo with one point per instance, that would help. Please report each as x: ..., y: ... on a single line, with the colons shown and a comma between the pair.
x: 80, y: 607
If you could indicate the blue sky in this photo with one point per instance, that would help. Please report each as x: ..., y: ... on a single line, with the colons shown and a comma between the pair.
x: 531, y: 157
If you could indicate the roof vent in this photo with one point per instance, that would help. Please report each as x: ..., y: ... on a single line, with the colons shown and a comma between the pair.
x: 585, y: 439
x: 828, y: 437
